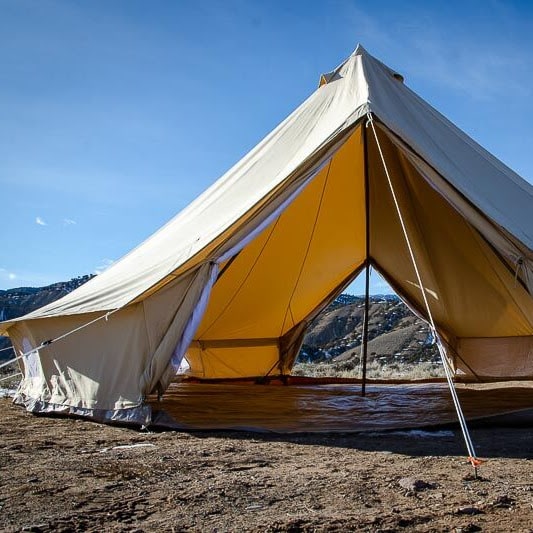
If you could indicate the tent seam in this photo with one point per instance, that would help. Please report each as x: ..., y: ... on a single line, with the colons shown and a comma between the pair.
x: 319, y: 209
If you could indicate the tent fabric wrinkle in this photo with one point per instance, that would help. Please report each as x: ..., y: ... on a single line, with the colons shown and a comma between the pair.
x: 231, y: 283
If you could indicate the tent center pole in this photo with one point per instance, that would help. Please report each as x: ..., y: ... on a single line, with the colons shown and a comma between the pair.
x: 364, y: 340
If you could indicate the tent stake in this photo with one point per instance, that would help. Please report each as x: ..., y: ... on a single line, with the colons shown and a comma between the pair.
x: 365, y: 328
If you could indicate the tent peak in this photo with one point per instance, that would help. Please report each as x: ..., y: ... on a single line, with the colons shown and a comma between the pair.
x: 335, y: 74
x: 363, y: 52
x: 359, y: 50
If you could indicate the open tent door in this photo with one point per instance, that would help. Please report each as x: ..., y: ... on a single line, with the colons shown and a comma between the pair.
x: 400, y: 345
x: 345, y: 219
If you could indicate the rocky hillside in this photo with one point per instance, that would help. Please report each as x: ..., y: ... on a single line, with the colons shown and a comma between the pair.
x: 396, y: 335
x: 18, y: 302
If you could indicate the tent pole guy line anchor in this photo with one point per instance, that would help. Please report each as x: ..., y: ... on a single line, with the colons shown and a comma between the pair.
x: 472, y: 458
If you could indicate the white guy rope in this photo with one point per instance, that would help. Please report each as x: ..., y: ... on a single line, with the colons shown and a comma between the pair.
x: 8, y: 348
x: 11, y: 361
x: 11, y: 376
x: 442, y: 352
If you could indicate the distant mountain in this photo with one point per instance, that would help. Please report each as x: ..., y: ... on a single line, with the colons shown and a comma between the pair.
x: 23, y: 300
x: 394, y: 332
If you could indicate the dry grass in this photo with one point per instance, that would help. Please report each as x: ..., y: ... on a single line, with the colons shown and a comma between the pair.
x: 375, y: 370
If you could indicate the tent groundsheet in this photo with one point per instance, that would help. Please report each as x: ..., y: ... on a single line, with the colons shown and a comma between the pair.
x: 332, y: 408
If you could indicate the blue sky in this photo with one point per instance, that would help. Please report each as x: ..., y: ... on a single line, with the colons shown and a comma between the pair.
x: 115, y: 115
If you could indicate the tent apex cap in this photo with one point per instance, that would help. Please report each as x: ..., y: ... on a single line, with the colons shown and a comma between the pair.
x: 359, y: 50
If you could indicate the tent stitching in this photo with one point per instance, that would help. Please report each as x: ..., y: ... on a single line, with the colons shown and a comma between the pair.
x: 302, y: 266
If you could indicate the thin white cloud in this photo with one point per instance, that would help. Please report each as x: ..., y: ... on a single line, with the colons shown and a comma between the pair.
x: 466, y: 67
x: 69, y: 222
x: 40, y: 221
x: 103, y: 266
x: 5, y: 274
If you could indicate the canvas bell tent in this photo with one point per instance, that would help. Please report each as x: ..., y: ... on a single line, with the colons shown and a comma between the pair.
x: 364, y: 172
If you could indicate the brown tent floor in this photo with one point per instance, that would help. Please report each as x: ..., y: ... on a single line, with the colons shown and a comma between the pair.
x: 333, y: 407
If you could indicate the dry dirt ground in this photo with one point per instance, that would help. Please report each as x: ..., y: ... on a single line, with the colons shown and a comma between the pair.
x: 61, y: 474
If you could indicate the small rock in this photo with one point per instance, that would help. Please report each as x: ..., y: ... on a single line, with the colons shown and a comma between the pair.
x: 503, y: 501
x: 415, y: 485
x: 254, y: 507
x: 469, y: 511
x: 469, y: 528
